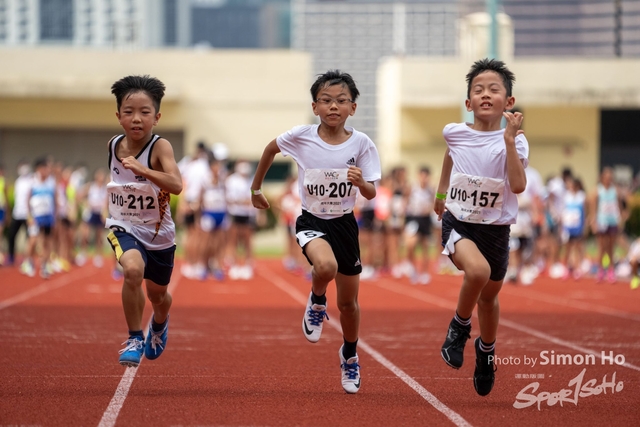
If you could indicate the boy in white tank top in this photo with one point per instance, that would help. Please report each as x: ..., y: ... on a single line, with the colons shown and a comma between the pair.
x: 482, y: 171
x: 143, y: 175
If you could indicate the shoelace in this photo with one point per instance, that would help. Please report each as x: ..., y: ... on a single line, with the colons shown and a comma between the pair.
x: 316, y: 317
x: 350, y: 370
x: 460, y: 337
x: 131, y: 344
x: 156, y: 340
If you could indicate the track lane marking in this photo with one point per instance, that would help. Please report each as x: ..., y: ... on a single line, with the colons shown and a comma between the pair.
x: 450, y: 305
x: 46, y: 286
x: 110, y: 414
x: 453, y: 416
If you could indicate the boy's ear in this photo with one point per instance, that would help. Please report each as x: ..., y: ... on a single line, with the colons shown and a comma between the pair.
x: 511, y: 101
x: 467, y: 103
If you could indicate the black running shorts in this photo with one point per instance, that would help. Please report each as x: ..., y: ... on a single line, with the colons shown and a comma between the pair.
x: 491, y: 240
x: 342, y: 235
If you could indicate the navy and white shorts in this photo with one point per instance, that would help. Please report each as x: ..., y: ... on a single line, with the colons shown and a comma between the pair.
x: 342, y: 235
x: 158, y: 265
x: 492, y: 242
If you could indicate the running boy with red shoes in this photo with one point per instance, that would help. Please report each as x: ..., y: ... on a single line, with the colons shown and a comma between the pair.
x: 335, y: 163
x: 482, y: 171
x: 143, y: 175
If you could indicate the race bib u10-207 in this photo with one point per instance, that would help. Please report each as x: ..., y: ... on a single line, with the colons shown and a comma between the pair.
x: 328, y: 192
x: 475, y: 199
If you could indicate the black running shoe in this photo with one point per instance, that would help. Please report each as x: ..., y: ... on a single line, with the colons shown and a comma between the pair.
x: 453, y: 348
x: 484, y: 375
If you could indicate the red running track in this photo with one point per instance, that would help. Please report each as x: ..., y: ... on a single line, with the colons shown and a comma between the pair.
x: 236, y: 356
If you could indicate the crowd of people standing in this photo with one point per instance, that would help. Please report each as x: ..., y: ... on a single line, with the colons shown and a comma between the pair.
x: 63, y: 209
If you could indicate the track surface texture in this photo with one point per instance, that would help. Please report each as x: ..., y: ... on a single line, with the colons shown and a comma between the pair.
x: 236, y: 355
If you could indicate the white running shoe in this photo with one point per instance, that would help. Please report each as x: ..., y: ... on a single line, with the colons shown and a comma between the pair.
x: 350, y: 373
x: 312, y: 320
x: 27, y: 268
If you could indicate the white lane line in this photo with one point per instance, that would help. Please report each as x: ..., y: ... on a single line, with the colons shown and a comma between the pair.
x: 450, y: 305
x: 117, y: 401
x: 403, y: 376
x: 574, y: 304
x: 46, y: 286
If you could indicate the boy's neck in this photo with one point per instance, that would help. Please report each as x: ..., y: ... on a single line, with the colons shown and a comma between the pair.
x: 486, y: 126
x: 138, y: 143
x: 333, y: 135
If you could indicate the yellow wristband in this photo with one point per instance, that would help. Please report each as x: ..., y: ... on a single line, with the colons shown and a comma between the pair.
x: 441, y: 196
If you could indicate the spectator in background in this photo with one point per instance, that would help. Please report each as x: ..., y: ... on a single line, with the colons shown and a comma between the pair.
x: 400, y: 190
x: 243, y: 221
x: 20, y: 212
x: 521, y: 241
x: 556, y: 188
x: 604, y: 220
x: 213, y: 223
x: 64, y: 232
x: 94, y: 214
x: 41, y: 220
x: 365, y: 214
x: 196, y: 173
x: 417, y: 229
x: 573, y: 228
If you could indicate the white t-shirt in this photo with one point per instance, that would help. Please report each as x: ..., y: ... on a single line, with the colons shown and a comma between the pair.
x: 195, y: 173
x: 326, y: 193
x: 22, y: 190
x: 238, y: 188
x: 420, y: 201
x: 483, y: 154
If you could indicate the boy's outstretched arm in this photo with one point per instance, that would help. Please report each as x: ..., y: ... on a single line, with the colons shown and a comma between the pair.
x: 165, y: 173
x: 515, y: 168
x: 259, y: 200
x: 443, y: 184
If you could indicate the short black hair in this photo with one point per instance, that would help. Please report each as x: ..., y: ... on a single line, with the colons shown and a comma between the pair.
x: 482, y: 65
x: 153, y: 87
x: 40, y: 162
x: 334, y: 77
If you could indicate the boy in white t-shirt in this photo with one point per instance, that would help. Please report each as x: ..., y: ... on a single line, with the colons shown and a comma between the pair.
x: 334, y: 164
x: 482, y: 171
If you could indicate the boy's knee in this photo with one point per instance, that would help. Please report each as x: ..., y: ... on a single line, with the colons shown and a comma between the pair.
x: 487, y: 303
x: 325, y: 270
x: 156, y: 297
x: 133, y: 275
x: 348, y: 307
x: 478, y: 273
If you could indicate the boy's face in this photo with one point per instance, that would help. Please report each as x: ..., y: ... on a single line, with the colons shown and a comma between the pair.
x: 137, y: 116
x: 333, y: 105
x: 488, y: 96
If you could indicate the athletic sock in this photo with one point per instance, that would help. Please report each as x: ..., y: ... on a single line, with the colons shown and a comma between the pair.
x: 349, y: 349
x: 320, y: 300
x: 462, y: 320
x: 487, y: 348
x: 158, y: 327
x: 136, y: 334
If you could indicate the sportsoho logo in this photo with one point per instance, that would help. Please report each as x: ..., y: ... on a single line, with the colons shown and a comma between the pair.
x: 579, y: 387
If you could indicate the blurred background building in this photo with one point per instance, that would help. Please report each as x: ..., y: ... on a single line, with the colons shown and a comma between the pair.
x: 238, y: 71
